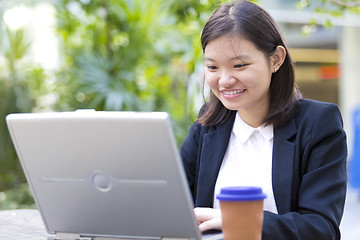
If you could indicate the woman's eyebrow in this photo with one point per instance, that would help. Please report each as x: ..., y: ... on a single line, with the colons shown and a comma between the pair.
x: 241, y: 57
x: 209, y: 59
x: 237, y: 57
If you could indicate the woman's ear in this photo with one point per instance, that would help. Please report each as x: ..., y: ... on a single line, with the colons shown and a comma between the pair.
x: 278, y: 58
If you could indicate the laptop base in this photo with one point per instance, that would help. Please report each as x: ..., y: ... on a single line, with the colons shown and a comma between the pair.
x: 73, y: 236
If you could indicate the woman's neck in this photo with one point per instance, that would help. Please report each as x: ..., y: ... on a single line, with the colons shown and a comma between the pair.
x: 253, y: 118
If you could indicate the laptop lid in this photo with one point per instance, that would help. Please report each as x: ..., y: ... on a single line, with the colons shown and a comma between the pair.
x: 105, y: 174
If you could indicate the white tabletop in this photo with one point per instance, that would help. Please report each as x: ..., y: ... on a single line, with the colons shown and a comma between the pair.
x: 27, y: 224
x: 22, y: 224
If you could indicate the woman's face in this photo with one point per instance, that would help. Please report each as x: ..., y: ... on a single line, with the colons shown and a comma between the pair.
x: 239, y: 75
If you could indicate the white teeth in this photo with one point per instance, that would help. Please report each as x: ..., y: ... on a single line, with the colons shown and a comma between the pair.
x: 233, y: 92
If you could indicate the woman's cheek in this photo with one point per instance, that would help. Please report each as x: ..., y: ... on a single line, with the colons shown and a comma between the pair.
x: 211, y: 81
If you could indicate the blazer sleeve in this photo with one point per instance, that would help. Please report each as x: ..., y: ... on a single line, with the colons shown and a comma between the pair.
x: 322, y: 181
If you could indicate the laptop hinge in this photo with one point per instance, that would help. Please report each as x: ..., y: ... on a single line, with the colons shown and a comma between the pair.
x: 68, y: 236
x: 75, y: 236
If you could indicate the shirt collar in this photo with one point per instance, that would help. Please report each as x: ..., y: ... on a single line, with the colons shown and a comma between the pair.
x: 243, y: 131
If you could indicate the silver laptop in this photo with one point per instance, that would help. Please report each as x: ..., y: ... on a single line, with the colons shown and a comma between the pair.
x: 100, y: 175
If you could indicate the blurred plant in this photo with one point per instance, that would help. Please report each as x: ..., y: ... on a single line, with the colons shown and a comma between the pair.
x: 115, y: 55
x: 334, y: 7
x: 131, y: 55
x: 19, y: 197
x: 20, y: 85
x: 330, y: 9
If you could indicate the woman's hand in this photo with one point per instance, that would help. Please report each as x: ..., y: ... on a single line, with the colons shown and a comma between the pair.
x: 208, y: 218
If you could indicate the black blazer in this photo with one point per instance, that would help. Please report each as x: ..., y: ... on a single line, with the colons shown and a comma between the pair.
x: 308, y: 172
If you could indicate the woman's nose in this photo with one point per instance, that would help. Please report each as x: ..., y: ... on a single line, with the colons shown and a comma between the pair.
x: 226, y: 80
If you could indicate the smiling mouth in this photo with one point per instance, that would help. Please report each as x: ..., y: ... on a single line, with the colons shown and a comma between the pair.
x: 233, y: 92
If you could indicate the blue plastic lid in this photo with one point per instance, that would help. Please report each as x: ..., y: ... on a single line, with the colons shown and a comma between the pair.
x: 241, y: 194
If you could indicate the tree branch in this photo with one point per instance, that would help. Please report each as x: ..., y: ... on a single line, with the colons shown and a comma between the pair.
x: 345, y: 4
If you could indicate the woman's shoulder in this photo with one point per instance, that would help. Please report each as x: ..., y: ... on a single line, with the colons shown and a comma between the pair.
x: 312, y: 107
x: 313, y: 120
x: 311, y: 111
x: 310, y: 103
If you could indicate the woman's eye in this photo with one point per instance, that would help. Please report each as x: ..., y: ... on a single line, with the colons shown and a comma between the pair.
x: 211, y: 67
x: 239, y: 65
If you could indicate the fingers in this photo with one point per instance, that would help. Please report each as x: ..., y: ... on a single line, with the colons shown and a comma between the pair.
x: 203, y: 214
x: 210, y: 224
x: 208, y: 218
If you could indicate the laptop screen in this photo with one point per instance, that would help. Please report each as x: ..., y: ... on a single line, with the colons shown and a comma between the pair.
x: 112, y: 174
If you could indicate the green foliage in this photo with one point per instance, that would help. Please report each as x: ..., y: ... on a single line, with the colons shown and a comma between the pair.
x: 330, y: 8
x: 137, y: 55
x: 16, y: 198
x: 19, y: 82
x: 131, y: 55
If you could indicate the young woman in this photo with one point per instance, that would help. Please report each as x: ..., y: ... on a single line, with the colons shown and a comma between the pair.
x: 257, y: 130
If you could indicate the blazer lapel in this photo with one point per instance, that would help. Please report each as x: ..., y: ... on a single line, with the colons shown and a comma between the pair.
x: 283, y: 166
x: 213, y: 151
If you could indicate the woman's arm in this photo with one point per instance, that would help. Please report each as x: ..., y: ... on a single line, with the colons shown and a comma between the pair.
x: 189, y: 155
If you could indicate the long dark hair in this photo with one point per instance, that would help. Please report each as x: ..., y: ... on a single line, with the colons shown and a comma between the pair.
x: 256, y: 25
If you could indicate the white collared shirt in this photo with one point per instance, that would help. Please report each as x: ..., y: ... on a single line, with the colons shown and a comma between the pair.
x: 248, y: 161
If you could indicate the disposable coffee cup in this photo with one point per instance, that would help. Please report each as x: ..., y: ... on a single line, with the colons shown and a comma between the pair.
x: 242, y: 212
